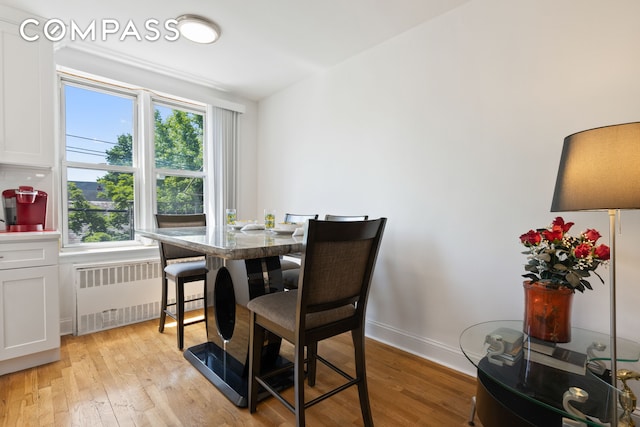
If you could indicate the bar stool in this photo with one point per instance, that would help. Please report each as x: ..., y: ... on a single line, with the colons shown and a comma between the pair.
x: 286, y: 264
x: 181, y: 266
x: 337, y: 268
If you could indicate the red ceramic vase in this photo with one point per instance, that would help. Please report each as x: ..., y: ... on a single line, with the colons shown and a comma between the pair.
x: 547, y: 312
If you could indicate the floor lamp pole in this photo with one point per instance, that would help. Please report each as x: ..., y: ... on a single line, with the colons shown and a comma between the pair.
x: 612, y: 322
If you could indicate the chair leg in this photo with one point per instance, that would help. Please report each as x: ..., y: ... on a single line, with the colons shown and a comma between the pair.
x: 180, y: 312
x: 312, y: 362
x: 361, y: 373
x: 256, y: 339
x: 163, y: 303
x: 298, y: 381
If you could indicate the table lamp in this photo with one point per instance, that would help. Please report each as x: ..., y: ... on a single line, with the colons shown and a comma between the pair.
x: 600, y: 170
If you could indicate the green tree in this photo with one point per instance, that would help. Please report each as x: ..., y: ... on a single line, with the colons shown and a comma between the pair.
x: 178, y: 141
x: 82, y: 219
x: 178, y: 146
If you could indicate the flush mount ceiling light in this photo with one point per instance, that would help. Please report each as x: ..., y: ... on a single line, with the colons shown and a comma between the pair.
x: 198, y: 29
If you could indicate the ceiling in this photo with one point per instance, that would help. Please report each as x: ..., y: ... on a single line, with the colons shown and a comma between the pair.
x: 266, y: 45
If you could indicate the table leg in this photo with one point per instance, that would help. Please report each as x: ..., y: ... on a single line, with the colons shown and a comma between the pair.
x: 223, y: 359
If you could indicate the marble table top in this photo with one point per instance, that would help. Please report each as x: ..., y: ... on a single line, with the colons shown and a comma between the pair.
x: 225, y: 243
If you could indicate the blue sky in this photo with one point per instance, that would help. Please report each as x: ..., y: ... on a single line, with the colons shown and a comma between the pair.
x: 94, y: 120
x: 97, y: 116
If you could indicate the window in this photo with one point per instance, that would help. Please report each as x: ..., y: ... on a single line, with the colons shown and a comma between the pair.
x: 106, y: 165
x: 178, y: 160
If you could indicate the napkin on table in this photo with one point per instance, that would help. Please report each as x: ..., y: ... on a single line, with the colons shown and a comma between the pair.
x: 298, y: 232
x: 252, y: 227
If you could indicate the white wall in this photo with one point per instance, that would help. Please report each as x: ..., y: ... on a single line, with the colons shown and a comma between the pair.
x: 453, y: 131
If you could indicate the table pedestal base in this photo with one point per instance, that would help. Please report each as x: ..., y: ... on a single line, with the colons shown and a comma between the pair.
x: 229, y: 375
x: 224, y: 358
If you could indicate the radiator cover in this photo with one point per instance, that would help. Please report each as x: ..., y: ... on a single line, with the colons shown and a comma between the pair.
x: 115, y: 294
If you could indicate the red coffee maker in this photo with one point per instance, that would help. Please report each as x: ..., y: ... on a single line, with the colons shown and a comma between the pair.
x: 25, y: 209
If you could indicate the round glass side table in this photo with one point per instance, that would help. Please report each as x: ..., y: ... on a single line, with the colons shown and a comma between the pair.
x: 527, y: 382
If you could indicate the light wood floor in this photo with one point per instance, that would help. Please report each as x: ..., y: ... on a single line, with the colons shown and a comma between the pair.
x: 135, y: 376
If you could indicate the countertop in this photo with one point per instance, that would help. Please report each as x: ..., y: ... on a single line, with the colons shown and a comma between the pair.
x: 28, y: 236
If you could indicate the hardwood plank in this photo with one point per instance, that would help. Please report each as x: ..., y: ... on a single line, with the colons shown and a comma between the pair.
x: 135, y: 376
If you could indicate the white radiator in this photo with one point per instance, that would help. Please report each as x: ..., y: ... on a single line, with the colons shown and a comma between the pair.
x: 116, y: 294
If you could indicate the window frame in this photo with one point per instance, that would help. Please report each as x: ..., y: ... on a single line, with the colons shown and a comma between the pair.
x: 143, y: 153
x: 170, y: 103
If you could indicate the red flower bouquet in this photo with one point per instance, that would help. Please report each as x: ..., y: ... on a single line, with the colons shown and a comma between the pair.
x: 559, y: 260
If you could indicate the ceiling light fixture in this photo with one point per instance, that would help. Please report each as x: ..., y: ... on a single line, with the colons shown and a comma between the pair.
x: 198, y: 29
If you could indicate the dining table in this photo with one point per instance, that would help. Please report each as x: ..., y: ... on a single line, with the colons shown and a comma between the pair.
x: 243, y: 264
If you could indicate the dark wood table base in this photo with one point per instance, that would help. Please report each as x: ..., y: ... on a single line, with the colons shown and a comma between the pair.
x: 213, y: 359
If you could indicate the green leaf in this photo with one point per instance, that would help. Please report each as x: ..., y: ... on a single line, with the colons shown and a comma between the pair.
x: 573, y: 279
x: 544, y: 257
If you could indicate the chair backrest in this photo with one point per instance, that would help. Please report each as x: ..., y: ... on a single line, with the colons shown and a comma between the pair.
x: 329, y: 217
x: 290, y: 218
x: 170, y: 252
x: 337, y: 265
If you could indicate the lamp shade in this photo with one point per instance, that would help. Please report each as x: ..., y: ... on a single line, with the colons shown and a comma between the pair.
x: 599, y: 170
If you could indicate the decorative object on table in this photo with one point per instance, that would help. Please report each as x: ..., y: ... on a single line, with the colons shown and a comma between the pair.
x: 559, y: 264
x: 595, y: 364
x: 549, y: 354
x: 504, y: 346
x: 627, y: 398
x: 561, y: 358
x: 600, y: 170
x: 574, y: 394
x: 541, y: 346
x: 547, y: 312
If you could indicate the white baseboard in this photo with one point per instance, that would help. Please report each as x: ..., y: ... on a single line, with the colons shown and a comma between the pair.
x: 443, y: 354
x: 66, y: 326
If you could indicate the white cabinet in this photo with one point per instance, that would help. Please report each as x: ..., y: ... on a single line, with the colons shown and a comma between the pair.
x: 27, y: 85
x: 29, y: 308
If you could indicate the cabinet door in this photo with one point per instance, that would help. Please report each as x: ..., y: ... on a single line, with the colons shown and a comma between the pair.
x: 27, y: 84
x: 29, y: 316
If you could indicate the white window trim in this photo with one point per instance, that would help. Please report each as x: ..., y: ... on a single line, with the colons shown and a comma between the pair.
x: 143, y: 168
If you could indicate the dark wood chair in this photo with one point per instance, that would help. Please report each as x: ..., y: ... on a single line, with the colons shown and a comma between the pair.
x: 337, y: 267
x: 291, y: 274
x: 181, y: 266
x: 329, y: 217
x: 291, y: 217
x: 287, y: 264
